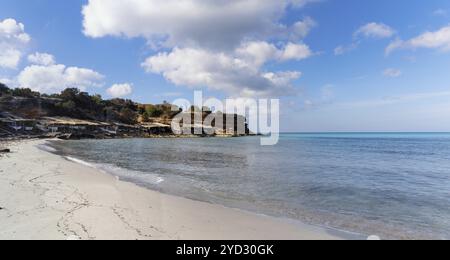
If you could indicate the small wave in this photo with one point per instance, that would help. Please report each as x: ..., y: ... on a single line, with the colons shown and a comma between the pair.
x: 120, y: 172
x: 46, y: 148
x: 130, y: 174
x: 75, y: 160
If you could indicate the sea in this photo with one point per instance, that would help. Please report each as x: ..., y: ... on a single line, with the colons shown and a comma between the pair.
x: 392, y: 185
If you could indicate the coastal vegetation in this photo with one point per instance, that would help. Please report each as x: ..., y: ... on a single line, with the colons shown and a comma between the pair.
x: 77, y: 104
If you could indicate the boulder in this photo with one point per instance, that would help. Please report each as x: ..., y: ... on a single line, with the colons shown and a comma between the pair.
x: 5, y: 151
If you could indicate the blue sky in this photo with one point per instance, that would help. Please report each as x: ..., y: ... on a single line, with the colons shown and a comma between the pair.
x: 344, y: 78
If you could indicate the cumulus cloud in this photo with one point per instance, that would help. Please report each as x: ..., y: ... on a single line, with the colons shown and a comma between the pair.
x: 41, y: 59
x: 439, y: 40
x: 10, y: 58
x: 12, y: 41
x: 190, y: 23
x: 55, y: 78
x: 239, y: 72
x: 375, y: 30
x: 258, y: 52
x: 392, y: 73
x: 120, y: 90
x: 12, y: 31
x: 296, y: 52
x: 236, y: 75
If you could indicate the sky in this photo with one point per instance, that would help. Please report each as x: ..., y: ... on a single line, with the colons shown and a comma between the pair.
x: 335, y: 65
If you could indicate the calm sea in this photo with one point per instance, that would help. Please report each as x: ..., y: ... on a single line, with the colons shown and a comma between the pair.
x: 391, y: 185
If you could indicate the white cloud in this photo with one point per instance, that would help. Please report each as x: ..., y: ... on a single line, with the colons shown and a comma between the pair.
x: 41, y: 59
x: 375, y: 30
x: 393, y: 46
x: 392, y: 73
x: 120, y: 90
x: 55, y: 78
x: 189, y: 23
x: 238, y: 72
x: 12, y: 31
x: 259, y: 53
x: 370, y: 30
x: 296, y: 52
x: 341, y: 50
x: 12, y: 41
x: 439, y: 39
x: 7, y: 81
x: 10, y: 58
x: 233, y: 74
x: 44, y: 75
x: 302, y: 28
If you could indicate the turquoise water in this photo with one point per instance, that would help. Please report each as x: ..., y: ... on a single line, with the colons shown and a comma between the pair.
x: 395, y: 185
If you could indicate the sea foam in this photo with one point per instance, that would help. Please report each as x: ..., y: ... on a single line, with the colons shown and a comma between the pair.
x: 46, y: 148
x: 120, y: 172
x: 75, y: 160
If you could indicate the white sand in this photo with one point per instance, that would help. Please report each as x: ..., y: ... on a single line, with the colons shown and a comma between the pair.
x: 44, y: 196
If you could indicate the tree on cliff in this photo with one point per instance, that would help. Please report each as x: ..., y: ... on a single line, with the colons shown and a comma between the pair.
x: 4, y: 90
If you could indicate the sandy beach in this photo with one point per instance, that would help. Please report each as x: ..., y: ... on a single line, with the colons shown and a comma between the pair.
x: 44, y: 196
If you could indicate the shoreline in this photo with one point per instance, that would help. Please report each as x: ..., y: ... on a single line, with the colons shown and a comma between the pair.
x: 44, y: 196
